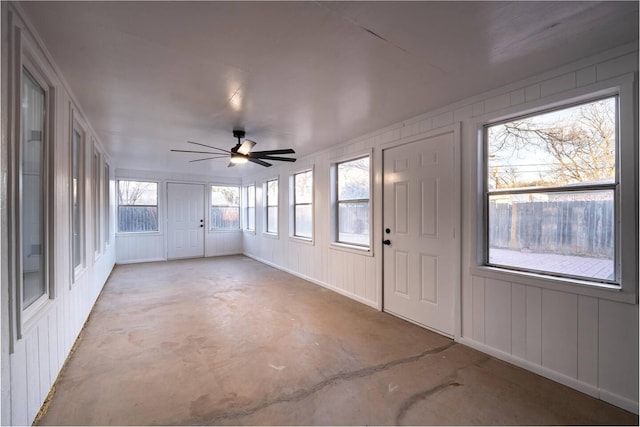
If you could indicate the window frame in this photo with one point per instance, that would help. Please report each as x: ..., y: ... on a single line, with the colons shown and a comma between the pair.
x: 25, y: 315
x: 96, y: 196
x: 293, y: 204
x: 78, y: 125
x: 569, y: 188
x: 157, y: 206
x: 245, y: 208
x: 334, y: 205
x: 211, y: 229
x: 266, y: 206
x: 626, y: 204
x: 106, y: 200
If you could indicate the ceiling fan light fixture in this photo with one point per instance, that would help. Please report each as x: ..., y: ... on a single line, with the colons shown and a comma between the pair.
x: 238, y: 159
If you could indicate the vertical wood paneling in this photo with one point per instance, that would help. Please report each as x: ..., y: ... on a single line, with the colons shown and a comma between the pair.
x: 588, y: 339
x: 618, y: 348
x: 498, y: 314
x: 19, y: 393
x: 33, y: 401
x: 44, y: 358
x: 560, y: 332
x: 519, y: 320
x: 478, y: 290
x: 534, y: 325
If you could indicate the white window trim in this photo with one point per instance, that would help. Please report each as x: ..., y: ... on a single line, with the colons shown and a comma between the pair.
x: 333, y: 205
x: 265, y: 207
x: 292, y: 206
x: 30, y: 60
x: 78, y: 123
x: 97, y: 199
x: 117, y: 205
x: 245, y: 208
x: 626, y: 202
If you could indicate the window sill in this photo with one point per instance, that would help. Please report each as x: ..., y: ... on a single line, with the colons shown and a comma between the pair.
x: 225, y: 230
x: 250, y: 232
x: 359, y: 250
x: 573, y: 286
x: 303, y: 240
x: 32, y: 314
x: 271, y: 235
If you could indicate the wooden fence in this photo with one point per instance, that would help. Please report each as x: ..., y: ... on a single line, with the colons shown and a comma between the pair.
x: 581, y: 228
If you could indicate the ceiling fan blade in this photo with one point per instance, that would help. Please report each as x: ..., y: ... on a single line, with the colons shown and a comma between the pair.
x: 209, y: 146
x: 208, y: 158
x: 199, y: 152
x: 246, y: 146
x: 269, y: 152
x: 231, y: 165
x: 259, y: 162
x: 277, y: 158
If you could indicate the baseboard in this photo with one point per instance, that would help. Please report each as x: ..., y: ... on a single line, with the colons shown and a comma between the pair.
x: 342, y: 292
x: 591, y: 390
x: 223, y: 254
x: 139, y: 261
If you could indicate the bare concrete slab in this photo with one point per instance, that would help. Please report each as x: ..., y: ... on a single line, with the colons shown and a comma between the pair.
x: 232, y: 341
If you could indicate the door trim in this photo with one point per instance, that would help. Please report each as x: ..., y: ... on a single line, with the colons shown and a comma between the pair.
x: 379, y: 210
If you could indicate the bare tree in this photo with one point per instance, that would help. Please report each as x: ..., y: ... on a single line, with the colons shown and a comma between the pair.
x: 581, y: 144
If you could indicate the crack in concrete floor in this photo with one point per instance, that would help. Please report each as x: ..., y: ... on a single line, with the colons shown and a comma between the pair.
x: 344, y: 376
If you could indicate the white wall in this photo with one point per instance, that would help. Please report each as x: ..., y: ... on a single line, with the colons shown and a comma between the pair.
x: 584, y: 338
x: 142, y: 247
x: 31, y: 363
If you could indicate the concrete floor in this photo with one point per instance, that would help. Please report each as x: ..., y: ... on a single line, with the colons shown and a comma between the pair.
x: 232, y: 341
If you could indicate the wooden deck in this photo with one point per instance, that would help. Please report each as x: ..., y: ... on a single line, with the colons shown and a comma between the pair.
x: 596, y: 268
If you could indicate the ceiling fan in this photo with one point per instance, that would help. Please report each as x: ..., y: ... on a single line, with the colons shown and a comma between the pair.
x: 241, y: 153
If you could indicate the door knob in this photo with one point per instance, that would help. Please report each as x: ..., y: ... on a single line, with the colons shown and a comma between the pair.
x: 386, y: 242
x: 201, y: 225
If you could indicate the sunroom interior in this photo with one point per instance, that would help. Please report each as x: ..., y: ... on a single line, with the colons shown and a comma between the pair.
x: 467, y: 169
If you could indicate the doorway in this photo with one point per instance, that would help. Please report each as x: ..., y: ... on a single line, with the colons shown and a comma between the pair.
x: 185, y: 218
x: 421, y: 248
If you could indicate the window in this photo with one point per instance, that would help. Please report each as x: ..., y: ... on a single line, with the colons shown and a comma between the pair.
x: 225, y: 208
x: 77, y: 194
x: 107, y: 204
x: 33, y: 156
x: 137, y: 206
x: 250, y: 208
x: 303, y: 204
x: 351, y: 180
x: 96, y: 199
x: 271, y: 205
x: 551, y: 185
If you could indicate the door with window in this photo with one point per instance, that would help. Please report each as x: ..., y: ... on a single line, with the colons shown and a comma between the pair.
x: 421, y: 248
x: 185, y: 226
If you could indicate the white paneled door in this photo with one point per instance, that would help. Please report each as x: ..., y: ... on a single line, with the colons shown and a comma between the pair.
x: 185, y: 220
x: 420, y: 243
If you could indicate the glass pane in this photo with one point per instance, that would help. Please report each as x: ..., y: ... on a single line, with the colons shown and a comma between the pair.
x: 137, y: 218
x: 303, y: 221
x: 568, y: 233
x: 574, y: 145
x: 251, y: 196
x: 272, y: 219
x: 251, y: 218
x: 225, y: 196
x: 133, y: 193
x: 76, y: 199
x: 33, y: 181
x: 96, y: 201
x: 353, y: 223
x: 225, y: 217
x: 304, y: 187
x: 353, y: 179
x: 272, y: 193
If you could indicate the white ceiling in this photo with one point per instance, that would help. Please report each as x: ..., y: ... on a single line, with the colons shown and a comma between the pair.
x: 306, y: 75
